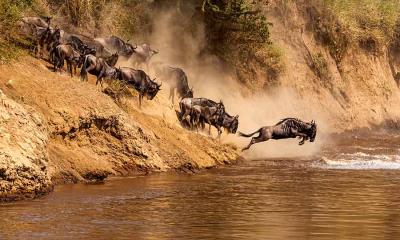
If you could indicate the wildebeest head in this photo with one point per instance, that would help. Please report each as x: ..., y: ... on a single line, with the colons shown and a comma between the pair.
x: 88, y: 50
x: 129, y: 49
x: 153, y: 89
x: 313, y: 131
x: 188, y: 94
x: 57, y: 33
x: 113, y: 59
x: 234, y: 124
x: 231, y: 123
x: 221, y: 107
x: 47, y: 19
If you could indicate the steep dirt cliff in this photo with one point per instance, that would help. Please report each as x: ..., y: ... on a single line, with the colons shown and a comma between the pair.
x: 358, y: 90
x: 23, y: 155
x: 80, y: 134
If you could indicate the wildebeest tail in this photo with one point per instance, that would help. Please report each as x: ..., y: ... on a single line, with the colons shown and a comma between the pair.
x: 248, y: 135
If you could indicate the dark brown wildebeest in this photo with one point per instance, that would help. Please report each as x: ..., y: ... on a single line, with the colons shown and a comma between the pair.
x: 116, y: 44
x: 112, y: 60
x: 230, y: 123
x: 140, y: 81
x: 99, y: 68
x: 69, y: 54
x: 78, y: 44
x: 49, y: 39
x: 200, y: 107
x: 176, y: 79
x: 142, y: 55
x: 202, y: 115
x: 286, y: 128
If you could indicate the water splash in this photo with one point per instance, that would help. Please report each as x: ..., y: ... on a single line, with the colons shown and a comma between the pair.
x: 360, y: 161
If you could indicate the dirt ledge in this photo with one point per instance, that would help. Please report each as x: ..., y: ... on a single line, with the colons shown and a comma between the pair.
x: 56, y: 129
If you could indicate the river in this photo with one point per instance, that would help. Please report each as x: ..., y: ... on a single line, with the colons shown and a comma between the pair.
x: 349, y: 191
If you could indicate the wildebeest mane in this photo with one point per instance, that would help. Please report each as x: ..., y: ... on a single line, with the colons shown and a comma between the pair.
x: 293, y: 123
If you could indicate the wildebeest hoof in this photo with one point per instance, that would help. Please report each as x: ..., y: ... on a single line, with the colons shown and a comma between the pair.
x: 301, y: 143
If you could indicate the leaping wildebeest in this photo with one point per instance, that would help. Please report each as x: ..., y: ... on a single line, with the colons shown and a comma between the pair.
x: 140, y: 81
x: 286, y: 128
x: 99, y: 68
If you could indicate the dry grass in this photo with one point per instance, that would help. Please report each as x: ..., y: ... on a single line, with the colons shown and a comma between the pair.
x: 369, y: 23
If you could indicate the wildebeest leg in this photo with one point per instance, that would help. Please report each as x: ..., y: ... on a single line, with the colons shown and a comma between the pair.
x: 74, y: 69
x: 184, y: 114
x: 100, y: 77
x: 140, y: 100
x: 69, y: 67
x: 55, y: 63
x: 255, y: 140
x: 90, y: 68
x: 304, y: 136
x: 219, y: 133
x: 172, y: 95
x: 196, y: 121
x: 303, y: 140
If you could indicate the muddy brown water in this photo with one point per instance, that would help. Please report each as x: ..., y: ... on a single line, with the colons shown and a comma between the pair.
x: 350, y: 191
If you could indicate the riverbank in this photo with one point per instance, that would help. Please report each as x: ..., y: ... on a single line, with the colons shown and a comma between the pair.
x: 353, y: 182
x: 56, y: 129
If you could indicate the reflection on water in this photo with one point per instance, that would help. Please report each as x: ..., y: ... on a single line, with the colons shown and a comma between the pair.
x: 275, y: 199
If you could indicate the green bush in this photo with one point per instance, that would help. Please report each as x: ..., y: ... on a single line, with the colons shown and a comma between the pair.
x: 10, y: 13
x: 320, y: 66
x: 238, y: 33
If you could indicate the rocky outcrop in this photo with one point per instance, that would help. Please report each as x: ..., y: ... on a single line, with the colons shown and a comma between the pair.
x: 23, y: 155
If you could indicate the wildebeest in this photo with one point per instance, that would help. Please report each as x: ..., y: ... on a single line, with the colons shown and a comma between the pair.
x: 142, y: 55
x: 177, y: 79
x: 49, y: 39
x: 79, y: 45
x: 69, y: 54
x: 230, y: 123
x: 98, y: 67
x: 286, y: 128
x: 140, y: 81
x: 226, y: 121
x: 206, y: 109
x: 112, y: 60
x: 116, y: 44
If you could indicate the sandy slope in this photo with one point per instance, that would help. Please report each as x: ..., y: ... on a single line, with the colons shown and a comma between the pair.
x: 88, y: 136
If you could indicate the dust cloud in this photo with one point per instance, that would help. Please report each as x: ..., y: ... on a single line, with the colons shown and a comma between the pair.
x: 181, y: 42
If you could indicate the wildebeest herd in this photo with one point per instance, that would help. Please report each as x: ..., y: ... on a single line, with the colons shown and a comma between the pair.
x: 98, y: 57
